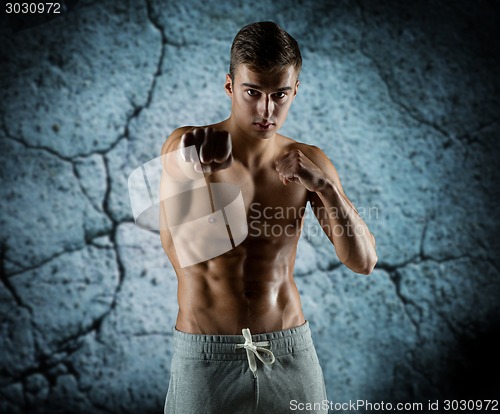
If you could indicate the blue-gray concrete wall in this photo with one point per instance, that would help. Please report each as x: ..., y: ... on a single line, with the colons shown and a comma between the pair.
x: 402, y: 96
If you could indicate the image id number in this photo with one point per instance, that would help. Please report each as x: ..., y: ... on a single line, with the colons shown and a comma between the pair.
x: 32, y: 8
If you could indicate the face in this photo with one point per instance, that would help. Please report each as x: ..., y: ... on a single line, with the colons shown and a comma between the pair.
x: 260, y: 101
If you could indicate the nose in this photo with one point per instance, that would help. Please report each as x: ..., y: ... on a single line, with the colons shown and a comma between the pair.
x: 265, y: 107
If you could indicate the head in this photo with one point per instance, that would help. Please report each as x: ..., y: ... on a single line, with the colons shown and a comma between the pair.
x: 263, y: 77
x: 264, y: 47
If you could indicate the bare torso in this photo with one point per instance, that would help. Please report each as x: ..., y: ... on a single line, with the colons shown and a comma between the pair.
x: 252, y: 285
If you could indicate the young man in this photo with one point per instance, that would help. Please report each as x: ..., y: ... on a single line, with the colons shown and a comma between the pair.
x: 250, y: 289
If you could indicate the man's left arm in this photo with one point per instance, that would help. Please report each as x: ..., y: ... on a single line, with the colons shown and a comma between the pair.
x: 353, y: 242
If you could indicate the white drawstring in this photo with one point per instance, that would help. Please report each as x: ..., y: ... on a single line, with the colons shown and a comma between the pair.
x: 254, y: 349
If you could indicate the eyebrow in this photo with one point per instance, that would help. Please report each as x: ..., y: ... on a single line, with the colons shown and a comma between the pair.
x: 254, y: 86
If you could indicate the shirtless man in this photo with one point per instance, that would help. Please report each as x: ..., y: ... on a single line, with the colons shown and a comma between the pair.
x: 250, y: 289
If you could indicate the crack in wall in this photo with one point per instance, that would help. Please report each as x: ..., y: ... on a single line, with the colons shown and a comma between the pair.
x: 159, y: 65
x: 137, y: 110
x: 395, y: 277
x: 52, y: 151
x: 405, y: 109
x: 6, y: 282
x: 113, y: 239
x: 44, y: 362
x: 97, y: 323
x: 82, y: 188
x: 21, y: 141
x: 105, y: 205
x: 63, y: 348
x: 73, y: 343
x: 47, y: 260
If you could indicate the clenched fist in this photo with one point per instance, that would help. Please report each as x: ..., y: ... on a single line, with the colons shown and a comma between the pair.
x: 294, y: 166
x: 213, y: 147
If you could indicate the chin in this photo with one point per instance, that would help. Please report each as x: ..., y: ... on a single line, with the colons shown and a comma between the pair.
x: 264, y: 134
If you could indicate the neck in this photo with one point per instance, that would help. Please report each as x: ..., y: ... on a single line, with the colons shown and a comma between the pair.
x: 251, y: 151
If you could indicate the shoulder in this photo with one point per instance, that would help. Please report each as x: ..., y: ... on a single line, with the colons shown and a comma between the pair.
x: 315, y: 154
x: 171, y: 142
x: 173, y: 139
x: 312, y: 152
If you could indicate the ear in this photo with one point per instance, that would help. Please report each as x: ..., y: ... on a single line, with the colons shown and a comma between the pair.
x: 228, y: 86
x: 296, y: 89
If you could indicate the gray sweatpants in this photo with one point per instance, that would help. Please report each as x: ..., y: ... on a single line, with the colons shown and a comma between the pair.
x: 212, y: 373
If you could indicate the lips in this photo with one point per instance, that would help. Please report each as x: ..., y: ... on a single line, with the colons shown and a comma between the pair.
x: 263, y: 125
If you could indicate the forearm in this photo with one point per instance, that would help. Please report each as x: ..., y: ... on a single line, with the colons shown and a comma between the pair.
x: 354, y: 244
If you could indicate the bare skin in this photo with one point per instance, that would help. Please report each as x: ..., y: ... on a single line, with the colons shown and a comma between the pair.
x: 252, y: 285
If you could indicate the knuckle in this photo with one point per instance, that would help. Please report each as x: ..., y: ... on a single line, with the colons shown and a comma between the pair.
x: 204, y: 149
x: 186, y: 140
x: 198, y: 133
x: 186, y: 137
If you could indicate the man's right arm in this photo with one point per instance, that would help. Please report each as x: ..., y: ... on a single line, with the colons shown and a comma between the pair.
x: 173, y: 141
x: 188, y: 154
x: 208, y: 149
x: 171, y: 167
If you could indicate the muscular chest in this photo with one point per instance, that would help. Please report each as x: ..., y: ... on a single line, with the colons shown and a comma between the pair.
x: 273, y: 210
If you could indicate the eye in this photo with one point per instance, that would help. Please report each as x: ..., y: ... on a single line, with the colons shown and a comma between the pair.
x: 252, y: 92
x: 280, y: 95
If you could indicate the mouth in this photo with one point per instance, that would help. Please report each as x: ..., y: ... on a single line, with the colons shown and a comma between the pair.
x: 263, y: 126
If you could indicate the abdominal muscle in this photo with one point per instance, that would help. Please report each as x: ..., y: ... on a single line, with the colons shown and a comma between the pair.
x: 240, y: 289
x: 250, y: 286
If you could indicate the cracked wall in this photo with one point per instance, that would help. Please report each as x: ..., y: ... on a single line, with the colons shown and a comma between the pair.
x: 402, y: 97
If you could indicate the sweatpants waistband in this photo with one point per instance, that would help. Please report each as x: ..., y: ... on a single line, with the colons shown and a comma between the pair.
x: 223, y: 347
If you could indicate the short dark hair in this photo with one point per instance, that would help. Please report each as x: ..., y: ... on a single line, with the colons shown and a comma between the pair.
x: 264, y: 47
